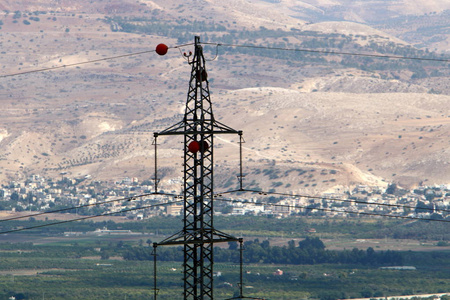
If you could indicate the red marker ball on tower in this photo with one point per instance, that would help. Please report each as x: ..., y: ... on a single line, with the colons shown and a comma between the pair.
x: 162, y: 49
x: 194, y: 147
x: 204, y: 147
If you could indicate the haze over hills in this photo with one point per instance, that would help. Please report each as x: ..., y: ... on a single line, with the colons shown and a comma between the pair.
x: 312, y: 122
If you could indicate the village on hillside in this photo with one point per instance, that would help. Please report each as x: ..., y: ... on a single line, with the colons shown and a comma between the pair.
x: 133, y: 199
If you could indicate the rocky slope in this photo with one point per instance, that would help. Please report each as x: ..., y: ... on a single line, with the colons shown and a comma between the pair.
x: 311, y: 123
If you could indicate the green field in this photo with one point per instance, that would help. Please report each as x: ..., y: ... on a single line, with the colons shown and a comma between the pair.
x: 48, y: 265
x: 76, y: 271
x: 78, y: 278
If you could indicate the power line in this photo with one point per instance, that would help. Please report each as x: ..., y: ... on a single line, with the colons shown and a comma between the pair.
x: 88, y: 217
x: 131, y: 198
x: 334, y: 210
x: 234, y: 46
x: 217, y: 199
x: 76, y: 64
x: 335, y: 199
x: 85, y: 205
x: 331, y: 52
x: 85, y: 62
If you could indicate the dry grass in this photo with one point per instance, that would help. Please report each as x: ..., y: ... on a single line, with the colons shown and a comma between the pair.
x: 98, y: 119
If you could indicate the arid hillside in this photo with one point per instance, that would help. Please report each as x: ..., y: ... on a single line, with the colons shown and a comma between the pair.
x: 312, y: 121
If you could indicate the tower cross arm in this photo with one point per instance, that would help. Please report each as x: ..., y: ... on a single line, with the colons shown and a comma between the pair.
x: 217, y: 128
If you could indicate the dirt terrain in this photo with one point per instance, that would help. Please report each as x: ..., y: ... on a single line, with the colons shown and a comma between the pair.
x: 342, y: 126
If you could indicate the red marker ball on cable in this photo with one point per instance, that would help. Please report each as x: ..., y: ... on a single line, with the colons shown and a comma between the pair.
x: 162, y: 49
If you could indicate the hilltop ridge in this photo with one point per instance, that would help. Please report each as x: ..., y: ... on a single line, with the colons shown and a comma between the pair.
x: 354, y: 120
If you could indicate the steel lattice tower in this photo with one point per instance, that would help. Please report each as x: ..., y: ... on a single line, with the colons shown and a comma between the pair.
x: 198, y: 234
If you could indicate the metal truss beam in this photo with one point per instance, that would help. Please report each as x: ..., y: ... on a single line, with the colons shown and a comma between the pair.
x: 198, y: 234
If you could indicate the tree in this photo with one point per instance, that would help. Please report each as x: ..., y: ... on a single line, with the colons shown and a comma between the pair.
x: 311, y: 243
x: 15, y: 196
x: 391, y: 189
x: 291, y: 244
x: 232, y: 245
x: 422, y: 207
x: 227, y: 210
x: 104, y: 255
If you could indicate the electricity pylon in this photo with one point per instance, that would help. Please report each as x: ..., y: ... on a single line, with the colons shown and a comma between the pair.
x: 198, y: 235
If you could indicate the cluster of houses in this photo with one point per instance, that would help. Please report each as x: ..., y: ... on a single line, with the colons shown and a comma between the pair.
x: 421, y: 202
x: 126, y: 197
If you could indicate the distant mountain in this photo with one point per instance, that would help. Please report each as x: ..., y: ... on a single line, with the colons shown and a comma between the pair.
x: 313, y: 121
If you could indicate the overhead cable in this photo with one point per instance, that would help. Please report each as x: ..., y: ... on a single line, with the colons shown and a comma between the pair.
x: 234, y: 46
x: 85, y: 205
x: 330, y: 52
x: 89, y: 217
x: 335, y: 210
x: 334, y: 199
x: 131, y: 198
x: 86, y: 62
x: 217, y: 198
